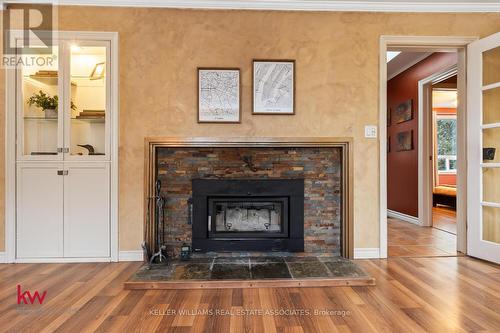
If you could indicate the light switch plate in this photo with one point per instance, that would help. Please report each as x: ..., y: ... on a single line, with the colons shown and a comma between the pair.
x: 370, y: 131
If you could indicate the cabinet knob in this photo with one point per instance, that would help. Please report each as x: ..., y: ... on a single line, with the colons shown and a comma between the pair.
x: 62, y: 172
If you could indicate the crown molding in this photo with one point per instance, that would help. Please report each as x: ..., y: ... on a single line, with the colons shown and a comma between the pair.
x: 415, y: 60
x: 423, y: 6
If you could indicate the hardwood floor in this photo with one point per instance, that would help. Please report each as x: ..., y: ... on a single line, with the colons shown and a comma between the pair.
x: 445, y: 219
x: 409, y: 240
x: 412, y: 295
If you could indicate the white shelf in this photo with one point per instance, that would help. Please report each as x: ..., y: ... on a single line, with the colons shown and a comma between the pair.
x: 47, y: 79
x: 88, y: 120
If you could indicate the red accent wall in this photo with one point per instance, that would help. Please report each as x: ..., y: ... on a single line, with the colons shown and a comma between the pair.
x: 402, y: 167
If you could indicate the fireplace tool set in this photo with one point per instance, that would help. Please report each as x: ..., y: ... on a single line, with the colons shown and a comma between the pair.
x: 158, y: 229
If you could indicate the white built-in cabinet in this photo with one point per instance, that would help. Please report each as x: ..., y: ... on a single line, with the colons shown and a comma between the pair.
x: 64, y: 156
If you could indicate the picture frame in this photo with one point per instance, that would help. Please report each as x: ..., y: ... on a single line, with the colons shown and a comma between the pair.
x: 404, y: 112
x: 273, y: 87
x: 404, y: 141
x: 219, y: 95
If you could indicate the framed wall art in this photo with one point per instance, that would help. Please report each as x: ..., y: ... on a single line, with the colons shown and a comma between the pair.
x: 404, y: 141
x: 273, y: 87
x: 404, y: 112
x: 219, y: 91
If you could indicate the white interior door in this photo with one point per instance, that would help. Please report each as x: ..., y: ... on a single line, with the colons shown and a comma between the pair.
x: 86, y: 210
x: 39, y: 210
x: 483, y: 89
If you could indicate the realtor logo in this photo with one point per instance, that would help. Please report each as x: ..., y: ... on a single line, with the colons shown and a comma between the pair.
x: 27, y: 298
x: 27, y: 30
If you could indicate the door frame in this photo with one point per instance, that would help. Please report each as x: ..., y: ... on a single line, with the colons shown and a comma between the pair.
x: 420, y: 43
x: 10, y: 151
x: 425, y: 148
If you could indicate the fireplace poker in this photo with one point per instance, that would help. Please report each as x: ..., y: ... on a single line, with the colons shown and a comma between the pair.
x: 160, y: 225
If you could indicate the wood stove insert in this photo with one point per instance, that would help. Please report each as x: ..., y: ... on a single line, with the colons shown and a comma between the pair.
x: 248, y: 215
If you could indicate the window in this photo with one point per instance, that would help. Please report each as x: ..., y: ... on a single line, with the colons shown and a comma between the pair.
x: 446, y: 133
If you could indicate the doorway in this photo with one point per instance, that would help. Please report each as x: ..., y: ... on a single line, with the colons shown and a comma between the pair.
x: 414, y: 140
x: 444, y: 155
x: 422, y: 152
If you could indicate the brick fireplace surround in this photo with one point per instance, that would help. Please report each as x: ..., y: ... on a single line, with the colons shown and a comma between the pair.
x: 323, y: 164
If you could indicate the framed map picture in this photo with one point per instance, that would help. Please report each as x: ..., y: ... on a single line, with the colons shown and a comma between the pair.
x: 273, y: 87
x: 219, y: 95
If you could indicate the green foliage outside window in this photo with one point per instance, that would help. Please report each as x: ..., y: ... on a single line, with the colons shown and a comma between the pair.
x: 446, y: 143
x: 447, y: 136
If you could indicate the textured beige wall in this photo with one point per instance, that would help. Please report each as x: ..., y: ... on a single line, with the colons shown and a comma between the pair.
x: 337, y: 82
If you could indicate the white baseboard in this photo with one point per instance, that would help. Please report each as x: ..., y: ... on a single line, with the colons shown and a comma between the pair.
x: 3, y: 258
x: 60, y: 260
x: 403, y: 217
x: 367, y: 253
x: 136, y: 255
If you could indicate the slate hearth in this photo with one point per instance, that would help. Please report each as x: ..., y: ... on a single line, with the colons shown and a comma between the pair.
x: 251, y: 268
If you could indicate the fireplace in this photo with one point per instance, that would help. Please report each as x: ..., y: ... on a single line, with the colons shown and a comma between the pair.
x: 322, y: 163
x: 248, y: 215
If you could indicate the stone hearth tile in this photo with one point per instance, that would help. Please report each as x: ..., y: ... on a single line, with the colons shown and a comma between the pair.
x: 232, y: 260
x: 301, y: 259
x: 153, y: 273
x: 196, y: 261
x: 308, y: 270
x: 260, y: 260
x: 230, y: 272
x: 345, y: 268
x: 273, y: 270
x: 191, y: 272
x: 332, y: 259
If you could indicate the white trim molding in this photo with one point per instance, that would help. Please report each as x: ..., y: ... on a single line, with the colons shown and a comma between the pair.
x: 425, y: 143
x: 409, y: 65
x: 136, y: 255
x: 403, y: 217
x: 3, y: 258
x: 61, y: 260
x: 423, y: 6
x: 366, y: 253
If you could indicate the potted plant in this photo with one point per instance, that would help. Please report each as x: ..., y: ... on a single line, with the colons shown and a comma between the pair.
x: 47, y: 103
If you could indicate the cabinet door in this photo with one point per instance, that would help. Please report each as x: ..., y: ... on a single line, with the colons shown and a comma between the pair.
x: 39, y: 210
x: 86, y: 210
x: 39, y: 113
x: 88, y: 102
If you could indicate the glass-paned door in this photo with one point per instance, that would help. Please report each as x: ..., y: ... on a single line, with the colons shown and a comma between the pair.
x: 87, y: 121
x: 484, y: 142
x: 64, y: 102
x: 39, y: 116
